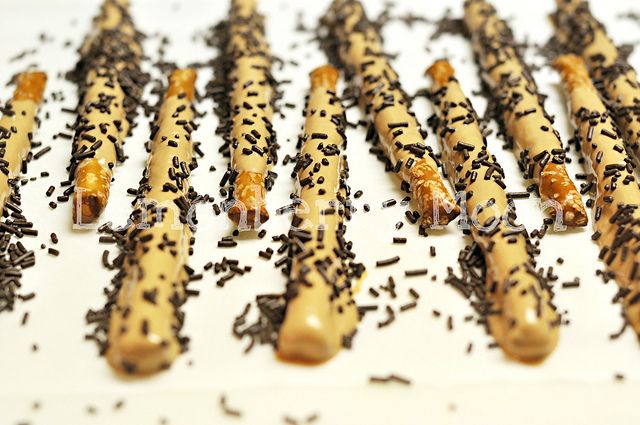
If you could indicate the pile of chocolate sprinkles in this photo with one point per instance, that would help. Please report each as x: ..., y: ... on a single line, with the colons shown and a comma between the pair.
x: 127, y: 241
x: 472, y: 281
x: 112, y: 54
x: 230, y: 267
x: 220, y: 90
x: 272, y: 307
x: 14, y: 256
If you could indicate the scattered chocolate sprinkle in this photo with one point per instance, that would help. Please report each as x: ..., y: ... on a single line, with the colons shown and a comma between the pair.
x: 388, y: 261
x: 388, y: 379
x: 228, y: 410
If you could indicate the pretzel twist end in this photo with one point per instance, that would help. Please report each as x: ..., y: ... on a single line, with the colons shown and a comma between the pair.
x: 30, y: 86
x: 92, y: 191
x: 249, y: 209
x: 573, y: 71
x: 441, y: 72
x: 324, y: 76
x: 182, y: 81
x: 556, y: 186
x: 436, y: 205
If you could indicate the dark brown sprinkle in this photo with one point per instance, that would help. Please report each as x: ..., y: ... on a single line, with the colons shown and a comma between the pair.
x: 389, y: 203
x: 227, y: 244
x: 418, y: 272
x: 518, y: 195
x: 265, y: 254
x: 53, y: 251
x: 54, y: 238
x: 408, y: 306
x: 41, y: 152
x: 391, y: 317
x: 390, y: 378
x: 363, y: 309
x: 388, y: 261
x: 399, y: 240
x: 608, y: 134
x: 286, y: 209
x: 228, y: 410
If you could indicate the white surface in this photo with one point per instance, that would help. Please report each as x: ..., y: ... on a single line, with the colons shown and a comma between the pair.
x: 575, y: 385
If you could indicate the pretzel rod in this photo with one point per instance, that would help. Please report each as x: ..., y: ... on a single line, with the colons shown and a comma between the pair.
x: 110, y: 84
x: 523, y: 117
x: 360, y: 49
x: 142, y: 335
x: 581, y: 33
x: 17, y: 128
x: 525, y: 324
x: 320, y: 310
x: 252, y: 94
x: 617, y: 218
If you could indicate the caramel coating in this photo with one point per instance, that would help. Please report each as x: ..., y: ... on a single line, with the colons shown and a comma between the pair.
x: 103, y: 123
x: 320, y: 311
x: 142, y: 335
x: 382, y: 97
x: 578, y: 31
x: 524, y: 324
x: 521, y: 107
x: 616, y: 218
x: 25, y: 102
x: 251, y: 112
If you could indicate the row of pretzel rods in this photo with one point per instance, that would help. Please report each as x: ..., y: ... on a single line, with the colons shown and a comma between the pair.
x: 607, y: 129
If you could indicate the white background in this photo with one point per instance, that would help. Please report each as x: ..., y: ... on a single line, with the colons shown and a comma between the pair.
x: 66, y: 377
